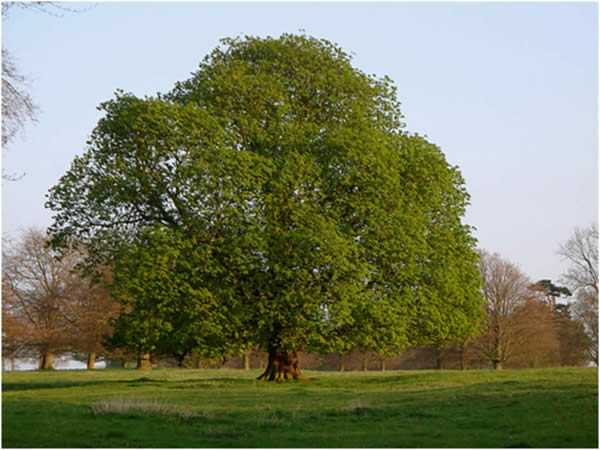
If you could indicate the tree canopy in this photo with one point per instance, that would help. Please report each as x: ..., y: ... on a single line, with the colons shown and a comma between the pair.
x: 273, y: 198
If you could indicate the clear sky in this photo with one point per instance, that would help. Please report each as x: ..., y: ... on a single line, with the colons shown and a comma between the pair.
x: 509, y: 91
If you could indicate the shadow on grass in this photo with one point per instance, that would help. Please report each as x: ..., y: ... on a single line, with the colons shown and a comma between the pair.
x: 203, y: 383
x: 189, y: 383
x: 225, y: 380
x: 31, y: 386
x: 463, y: 385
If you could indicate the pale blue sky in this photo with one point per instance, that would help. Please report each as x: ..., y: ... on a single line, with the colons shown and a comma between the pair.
x: 509, y: 91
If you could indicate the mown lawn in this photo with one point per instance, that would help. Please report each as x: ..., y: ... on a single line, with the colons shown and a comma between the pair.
x: 228, y: 408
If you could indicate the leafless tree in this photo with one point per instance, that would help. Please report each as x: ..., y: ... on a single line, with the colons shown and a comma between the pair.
x: 89, y: 309
x: 56, y: 9
x: 49, y: 306
x: 574, y: 342
x: 505, y: 290
x: 35, y: 286
x: 581, y: 252
x: 14, y: 335
x: 18, y: 108
x: 538, y: 335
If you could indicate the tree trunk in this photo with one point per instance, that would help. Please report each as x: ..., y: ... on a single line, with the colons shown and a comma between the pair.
x: 247, y: 360
x: 365, y: 365
x: 91, y: 360
x: 496, y: 362
x: 47, y: 362
x: 341, y: 366
x: 438, y: 358
x: 143, y: 362
x: 462, y: 357
x: 280, y: 366
x: 383, y: 364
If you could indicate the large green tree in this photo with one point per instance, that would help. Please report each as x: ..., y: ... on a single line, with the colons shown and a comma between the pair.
x: 275, y: 199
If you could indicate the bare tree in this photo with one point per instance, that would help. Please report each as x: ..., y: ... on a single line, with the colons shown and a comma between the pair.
x: 506, y: 290
x: 537, y: 335
x: 35, y: 290
x: 18, y: 108
x: 574, y: 342
x: 585, y: 310
x: 89, y: 309
x: 581, y: 252
x: 48, y: 305
x: 14, y: 335
x: 56, y: 9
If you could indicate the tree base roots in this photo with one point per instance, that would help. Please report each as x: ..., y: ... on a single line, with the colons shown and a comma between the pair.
x: 282, y: 365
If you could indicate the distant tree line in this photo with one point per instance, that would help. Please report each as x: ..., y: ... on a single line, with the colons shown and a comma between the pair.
x: 51, y: 307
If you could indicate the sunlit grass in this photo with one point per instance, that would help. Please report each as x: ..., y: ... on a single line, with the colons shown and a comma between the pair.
x: 229, y: 408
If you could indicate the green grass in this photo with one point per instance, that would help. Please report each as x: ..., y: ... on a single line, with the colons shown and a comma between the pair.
x: 228, y: 408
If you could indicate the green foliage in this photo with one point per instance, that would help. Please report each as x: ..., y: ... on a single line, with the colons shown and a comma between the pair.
x: 273, y: 198
x: 168, y: 307
x: 548, y: 288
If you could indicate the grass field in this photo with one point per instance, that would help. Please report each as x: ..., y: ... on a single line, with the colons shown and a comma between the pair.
x: 228, y: 408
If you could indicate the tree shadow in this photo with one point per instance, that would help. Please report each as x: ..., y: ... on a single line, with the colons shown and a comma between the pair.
x: 205, y: 383
x: 34, y: 385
